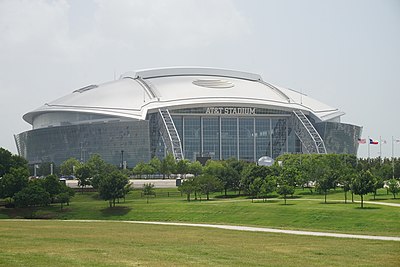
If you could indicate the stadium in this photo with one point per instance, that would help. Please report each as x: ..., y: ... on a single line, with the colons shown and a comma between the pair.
x: 188, y: 112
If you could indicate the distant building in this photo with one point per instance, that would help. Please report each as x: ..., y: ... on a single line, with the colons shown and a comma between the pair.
x: 189, y: 112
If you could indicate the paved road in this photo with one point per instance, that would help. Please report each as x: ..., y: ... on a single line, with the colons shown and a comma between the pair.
x: 138, y: 183
x: 241, y: 228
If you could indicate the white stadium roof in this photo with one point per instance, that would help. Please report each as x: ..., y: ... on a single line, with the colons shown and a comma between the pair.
x: 136, y: 93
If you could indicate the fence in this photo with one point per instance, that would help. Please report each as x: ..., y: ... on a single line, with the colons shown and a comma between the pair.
x: 164, y: 194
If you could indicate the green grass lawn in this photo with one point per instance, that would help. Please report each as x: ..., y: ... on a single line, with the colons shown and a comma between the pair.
x: 305, y: 212
x: 63, y: 243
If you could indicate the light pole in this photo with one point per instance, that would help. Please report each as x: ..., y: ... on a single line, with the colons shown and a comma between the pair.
x: 122, y: 159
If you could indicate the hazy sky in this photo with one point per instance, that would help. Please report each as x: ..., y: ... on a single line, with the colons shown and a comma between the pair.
x: 344, y: 53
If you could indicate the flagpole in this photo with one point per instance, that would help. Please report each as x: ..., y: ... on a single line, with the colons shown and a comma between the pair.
x: 369, y: 143
x: 380, y: 147
x: 392, y: 157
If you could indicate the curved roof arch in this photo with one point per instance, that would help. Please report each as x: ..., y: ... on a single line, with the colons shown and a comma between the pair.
x: 136, y: 93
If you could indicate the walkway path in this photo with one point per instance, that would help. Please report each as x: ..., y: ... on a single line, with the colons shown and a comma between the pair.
x: 241, y: 228
x: 365, y: 202
x: 313, y: 199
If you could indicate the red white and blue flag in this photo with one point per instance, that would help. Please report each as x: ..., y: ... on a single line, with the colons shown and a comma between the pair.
x: 362, y: 141
x: 373, y: 142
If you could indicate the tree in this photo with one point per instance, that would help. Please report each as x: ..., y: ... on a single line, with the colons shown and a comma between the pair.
x: 209, y: 184
x: 168, y: 165
x: 324, y: 180
x: 112, y: 186
x: 32, y: 196
x: 285, y: 190
x: 394, y: 187
x: 139, y: 169
x: 62, y: 198
x: 378, y: 183
x: 155, y: 163
x: 237, y: 166
x: 269, y: 185
x: 127, y: 188
x: 290, y: 174
x: 187, y: 187
x: 182, y: 167
x: 255, y: 188
x: 8, y: 161
x: 69, y: 166
x: 13, y: 182
x: 195, y: 168
x: 83, y: 174
x: 222, y: 172
x: 346, y: 178
x: 251, y: 172
x: 362, y: 184
x: 98, y: 169
x: 148, y: 190
x: 53, y: 186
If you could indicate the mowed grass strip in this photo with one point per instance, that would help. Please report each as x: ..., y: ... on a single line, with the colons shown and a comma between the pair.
x: 55, y: 243
x: 299, y: 214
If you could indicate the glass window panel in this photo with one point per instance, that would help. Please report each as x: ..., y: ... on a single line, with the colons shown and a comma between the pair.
x: 246, y: 139
x: 229, y: 137
x: 263, y: 135
x: 211, y: 137
x: 278, y: 127
x: 192, y: 137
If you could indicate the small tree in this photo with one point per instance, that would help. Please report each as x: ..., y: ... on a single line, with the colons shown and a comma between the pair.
x: 68, y: 166
x: 53, y: 186
x: 112, y: 187
x: 98, y: 169
x: 148, y: 190
x: 155, y: 163
x: 378, y: 183
x: 63, y: 198
x: 209, y: 184
x: 32, y: 196
x: 187, y: 187
x: 255, y: 188
x: 268, y: 186
x: 362, y: 184
x: 127, y: 188
x: 182, y: 167
x: 139, y: 169
x: 83, y: 174
x: 394, y: 187
x: 345, y: 179
x: 325, y: 182
x: 285, y: 190
x: 195, y: 168
x: 168, y: 166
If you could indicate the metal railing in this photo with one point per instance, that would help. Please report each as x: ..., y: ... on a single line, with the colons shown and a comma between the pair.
x: 169, y: 134
x: 307, y: 134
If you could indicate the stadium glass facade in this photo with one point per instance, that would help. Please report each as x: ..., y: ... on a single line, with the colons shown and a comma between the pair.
x: 247, y: 137
x: 189, y: 112
x: 108, y: 139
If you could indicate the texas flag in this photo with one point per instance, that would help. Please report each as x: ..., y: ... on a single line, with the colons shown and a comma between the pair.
x: 372, y: 142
